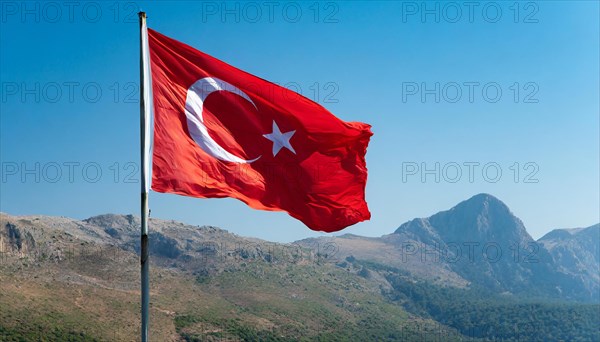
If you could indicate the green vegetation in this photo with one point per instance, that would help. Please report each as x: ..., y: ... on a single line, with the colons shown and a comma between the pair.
x: 267, y: 302
x: 219, y: 329
x: 261, y: 301
x: 38, y: 333
x: 480, y: 314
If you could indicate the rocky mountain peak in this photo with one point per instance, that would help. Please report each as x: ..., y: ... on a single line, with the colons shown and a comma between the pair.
x: 482, y: 217
x: 484, y: 203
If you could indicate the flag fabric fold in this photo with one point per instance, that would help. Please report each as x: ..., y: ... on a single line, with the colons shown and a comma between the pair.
x: 222, y: 132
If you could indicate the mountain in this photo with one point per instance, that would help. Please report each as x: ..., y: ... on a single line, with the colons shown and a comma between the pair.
x: 68, y: 280
x: 577, y: 252
x: 468, y: 273
x: 477, y: 243
x: 481, y: 240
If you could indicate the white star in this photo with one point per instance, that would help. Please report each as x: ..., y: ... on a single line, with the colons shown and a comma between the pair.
x: 279, y: 139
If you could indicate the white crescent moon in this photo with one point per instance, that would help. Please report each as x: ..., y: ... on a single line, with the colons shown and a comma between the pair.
x: 194, y: 104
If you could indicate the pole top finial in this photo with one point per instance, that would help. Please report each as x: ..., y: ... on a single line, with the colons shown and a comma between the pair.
x: 142, y: 14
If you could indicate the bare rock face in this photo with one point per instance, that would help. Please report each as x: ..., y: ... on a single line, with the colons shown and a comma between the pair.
x: 160, y: 246
x: 16, y: 240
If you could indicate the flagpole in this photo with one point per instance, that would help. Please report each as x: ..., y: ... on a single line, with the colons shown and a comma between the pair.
x: 144, y: 149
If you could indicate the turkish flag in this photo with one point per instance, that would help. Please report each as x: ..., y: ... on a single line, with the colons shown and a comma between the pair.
x: 222, y: 132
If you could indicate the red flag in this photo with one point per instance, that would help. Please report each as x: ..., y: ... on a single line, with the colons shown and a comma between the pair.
x: 222, y: 132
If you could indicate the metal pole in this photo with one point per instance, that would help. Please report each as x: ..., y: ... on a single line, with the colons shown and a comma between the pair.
x: 144, y: 145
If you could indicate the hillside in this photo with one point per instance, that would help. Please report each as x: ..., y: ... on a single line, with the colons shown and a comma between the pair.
x: 577, y: 252
x: 435, y: 278
x: 63, y: 278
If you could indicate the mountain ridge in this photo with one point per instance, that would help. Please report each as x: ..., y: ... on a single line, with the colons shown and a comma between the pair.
x: 56, y: 269
x: 478, y: 242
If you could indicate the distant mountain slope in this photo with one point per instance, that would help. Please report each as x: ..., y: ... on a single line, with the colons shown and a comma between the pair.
x: 477, y: 243
x: 577, y: 252
x: 391, y: 251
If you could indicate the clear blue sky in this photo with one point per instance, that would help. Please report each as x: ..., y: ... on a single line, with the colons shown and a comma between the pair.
x: 370, y: 62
